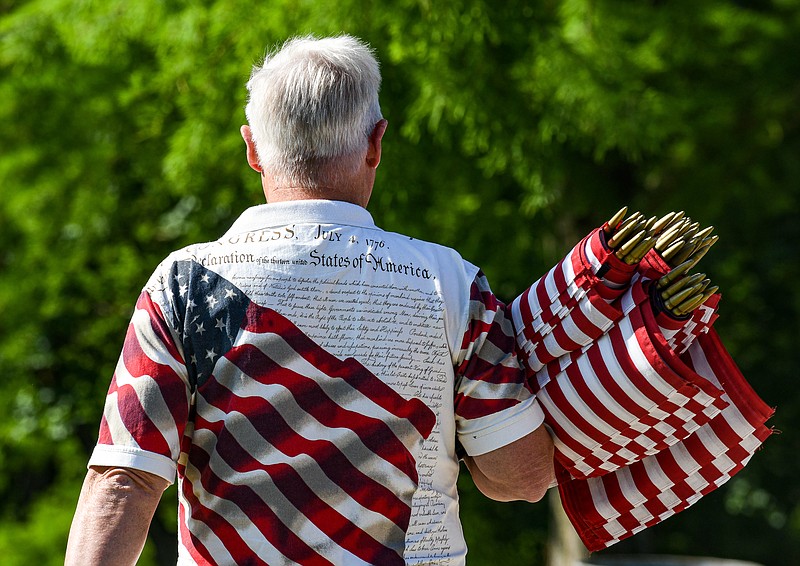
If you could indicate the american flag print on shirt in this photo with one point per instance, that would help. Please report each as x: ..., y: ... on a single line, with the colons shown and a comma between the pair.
x: 290, y: 454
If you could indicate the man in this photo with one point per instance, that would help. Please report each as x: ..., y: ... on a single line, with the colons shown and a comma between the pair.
x: 308, y: 376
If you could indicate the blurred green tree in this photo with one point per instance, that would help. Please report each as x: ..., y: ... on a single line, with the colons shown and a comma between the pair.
x: 514, y: 128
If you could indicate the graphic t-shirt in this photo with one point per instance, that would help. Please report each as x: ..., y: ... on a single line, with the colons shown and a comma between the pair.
x: 308, y: 376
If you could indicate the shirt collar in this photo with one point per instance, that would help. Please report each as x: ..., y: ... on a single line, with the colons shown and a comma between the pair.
x: 299, y: 212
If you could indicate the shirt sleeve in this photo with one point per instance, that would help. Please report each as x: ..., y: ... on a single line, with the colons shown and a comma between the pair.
x: 147, y: 405
x: 494, y: 406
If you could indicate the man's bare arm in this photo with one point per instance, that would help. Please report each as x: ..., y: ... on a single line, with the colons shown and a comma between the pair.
x: 522, y: 470
x: 113, y: 516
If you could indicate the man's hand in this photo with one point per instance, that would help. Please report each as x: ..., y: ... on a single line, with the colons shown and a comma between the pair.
x: 114, y: 512
x: 522, y: 470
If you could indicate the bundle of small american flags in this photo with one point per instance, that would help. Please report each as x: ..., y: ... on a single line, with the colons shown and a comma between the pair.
x: 648, y: 413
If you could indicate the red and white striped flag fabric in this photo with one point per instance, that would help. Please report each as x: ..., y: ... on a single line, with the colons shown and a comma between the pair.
x: 565, y: 310
x: 612, y: 507
x: 680, y: 334
x: 640, y: 432
x: 624, y: 397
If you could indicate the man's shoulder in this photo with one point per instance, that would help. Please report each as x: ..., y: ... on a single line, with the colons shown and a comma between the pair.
x: 432, y: 248
x: 159, y: 280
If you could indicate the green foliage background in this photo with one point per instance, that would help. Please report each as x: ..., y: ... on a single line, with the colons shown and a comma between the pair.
x: 515, y: 127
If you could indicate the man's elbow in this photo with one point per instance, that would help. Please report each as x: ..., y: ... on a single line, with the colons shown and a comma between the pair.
x: 531, y: 489
x: 520, y: 471
x: 539, y: 475
x: 535, y: 491
x: 530, y: 485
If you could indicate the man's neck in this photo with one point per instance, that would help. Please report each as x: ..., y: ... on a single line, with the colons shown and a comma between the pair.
x: 278, y: 193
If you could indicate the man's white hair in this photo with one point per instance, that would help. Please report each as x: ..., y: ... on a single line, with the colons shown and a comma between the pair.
x: 311, y: 107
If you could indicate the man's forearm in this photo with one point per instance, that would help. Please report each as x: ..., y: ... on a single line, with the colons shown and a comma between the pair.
x: 114, y: 512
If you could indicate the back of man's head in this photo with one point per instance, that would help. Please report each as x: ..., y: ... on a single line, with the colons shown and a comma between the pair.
x: 311, y: 108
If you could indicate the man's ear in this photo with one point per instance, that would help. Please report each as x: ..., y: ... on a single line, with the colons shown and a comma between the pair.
x: 374, y: 151
x: 252, y: 156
